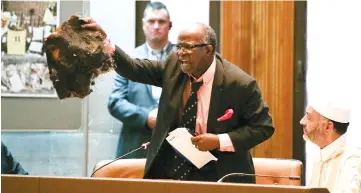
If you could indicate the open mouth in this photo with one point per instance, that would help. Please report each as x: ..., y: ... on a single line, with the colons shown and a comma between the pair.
x: 184, y: 62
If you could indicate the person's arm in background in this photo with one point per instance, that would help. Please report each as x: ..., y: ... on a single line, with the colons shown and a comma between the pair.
x: 120, y: 108
x: 8, y: 163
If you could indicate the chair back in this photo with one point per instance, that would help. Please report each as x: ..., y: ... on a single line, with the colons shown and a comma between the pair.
x: 134, y: 168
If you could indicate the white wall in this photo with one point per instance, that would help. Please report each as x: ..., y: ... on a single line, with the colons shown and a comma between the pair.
x: 184, y: 12
x: 118, y: 19
x: 333, y: 47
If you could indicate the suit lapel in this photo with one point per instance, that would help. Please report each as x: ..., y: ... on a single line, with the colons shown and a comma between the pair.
x: 217, y: 89
x: 178, y: 81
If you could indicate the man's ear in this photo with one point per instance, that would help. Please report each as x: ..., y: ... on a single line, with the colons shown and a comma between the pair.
x: 210, y: 49
x: 170, y: 25
x: 329, y: 126
x: 143, y: 23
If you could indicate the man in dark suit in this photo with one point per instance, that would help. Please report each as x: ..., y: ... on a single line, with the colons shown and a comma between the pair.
x: 136, y: 104
x: 231, y: 116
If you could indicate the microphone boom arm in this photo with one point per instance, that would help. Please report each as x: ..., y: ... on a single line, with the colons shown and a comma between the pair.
x: 259, y: 175
x: 143, y: 146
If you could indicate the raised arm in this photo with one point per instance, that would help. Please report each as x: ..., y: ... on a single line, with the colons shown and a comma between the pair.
x: 139, y: 70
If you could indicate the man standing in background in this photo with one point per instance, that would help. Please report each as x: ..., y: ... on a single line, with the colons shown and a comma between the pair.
x: 136, y: 104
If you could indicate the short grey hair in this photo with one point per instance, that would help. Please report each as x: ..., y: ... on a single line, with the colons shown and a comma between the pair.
x: 210, y: 36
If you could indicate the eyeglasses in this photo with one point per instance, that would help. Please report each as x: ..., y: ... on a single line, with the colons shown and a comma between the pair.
x: 188, y: 47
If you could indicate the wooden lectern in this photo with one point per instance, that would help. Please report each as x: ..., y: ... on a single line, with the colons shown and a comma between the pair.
x: 42, y: 184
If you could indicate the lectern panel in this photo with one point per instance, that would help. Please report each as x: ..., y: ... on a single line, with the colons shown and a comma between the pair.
x: 11, y: 184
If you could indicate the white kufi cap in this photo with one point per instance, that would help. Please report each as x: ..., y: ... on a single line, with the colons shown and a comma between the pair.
x: 332, y: 111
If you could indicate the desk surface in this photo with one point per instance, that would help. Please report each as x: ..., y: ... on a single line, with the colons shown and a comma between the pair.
x: 44, y: 184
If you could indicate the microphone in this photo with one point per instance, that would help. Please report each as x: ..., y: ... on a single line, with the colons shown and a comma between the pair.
x: 144, y: 146
x: 259, y: 175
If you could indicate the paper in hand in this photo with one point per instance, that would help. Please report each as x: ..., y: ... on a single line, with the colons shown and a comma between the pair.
x: 180, y: 139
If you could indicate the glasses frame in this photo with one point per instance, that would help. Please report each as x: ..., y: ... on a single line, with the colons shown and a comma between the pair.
x: 191, y: 47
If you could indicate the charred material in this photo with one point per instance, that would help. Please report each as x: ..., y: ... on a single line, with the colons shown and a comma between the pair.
x: 75, y: 57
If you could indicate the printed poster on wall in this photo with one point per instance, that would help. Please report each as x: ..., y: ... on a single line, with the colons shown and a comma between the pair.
x: 24, y: 26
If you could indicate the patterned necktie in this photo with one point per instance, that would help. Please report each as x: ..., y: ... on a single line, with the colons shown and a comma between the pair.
x: 189, y: 113
x: 182, y: 167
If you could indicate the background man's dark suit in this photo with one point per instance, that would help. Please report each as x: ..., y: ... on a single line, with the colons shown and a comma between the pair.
x: 232, y: 88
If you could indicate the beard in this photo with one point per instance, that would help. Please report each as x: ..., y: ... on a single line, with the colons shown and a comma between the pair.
x: 306, y: 138
x: 313, y: 136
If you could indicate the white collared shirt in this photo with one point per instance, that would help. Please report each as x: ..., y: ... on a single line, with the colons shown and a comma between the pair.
x: 203, y: 103
x: 154, y: 54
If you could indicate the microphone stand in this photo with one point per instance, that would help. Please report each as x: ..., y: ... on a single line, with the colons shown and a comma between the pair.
x: 143, y: 146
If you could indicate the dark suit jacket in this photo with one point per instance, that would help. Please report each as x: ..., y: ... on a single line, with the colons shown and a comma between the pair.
x: 232, y: 88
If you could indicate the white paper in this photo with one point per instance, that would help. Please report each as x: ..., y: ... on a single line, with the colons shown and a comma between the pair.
x: 180, y: 139
x: 36, y: 46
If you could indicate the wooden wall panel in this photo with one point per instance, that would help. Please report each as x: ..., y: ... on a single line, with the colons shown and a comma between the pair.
x: 235, y: 42
x: 259, y: 38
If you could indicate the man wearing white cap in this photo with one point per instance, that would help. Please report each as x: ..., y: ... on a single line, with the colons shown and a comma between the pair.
x: 337, y: 166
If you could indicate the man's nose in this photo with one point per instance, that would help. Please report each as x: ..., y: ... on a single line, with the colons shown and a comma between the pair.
x: 156, y: 25
x: 302, y: 121
x: 181, y: 52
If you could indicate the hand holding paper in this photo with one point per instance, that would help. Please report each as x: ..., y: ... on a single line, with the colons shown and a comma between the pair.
x: 180, y: 139
x: 206, y: 142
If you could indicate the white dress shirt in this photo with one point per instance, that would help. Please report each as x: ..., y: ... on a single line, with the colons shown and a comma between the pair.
x: 203, y: 103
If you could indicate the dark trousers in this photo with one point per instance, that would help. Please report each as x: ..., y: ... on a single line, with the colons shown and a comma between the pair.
x: 164, y: 164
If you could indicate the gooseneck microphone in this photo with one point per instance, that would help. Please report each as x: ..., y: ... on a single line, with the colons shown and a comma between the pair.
x: 144, y: 146
x: 259, y: 175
